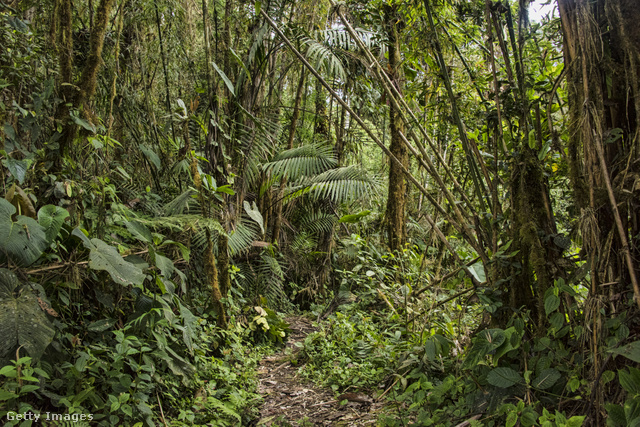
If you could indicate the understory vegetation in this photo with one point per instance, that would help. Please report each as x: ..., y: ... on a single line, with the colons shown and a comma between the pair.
x: 450, y: 189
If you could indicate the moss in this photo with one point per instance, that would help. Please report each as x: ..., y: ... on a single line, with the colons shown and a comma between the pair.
x: 212, y: 278
x: 94, y: 61
x: 396, y: 199
x: 532, y: 223
x: 223, y: 263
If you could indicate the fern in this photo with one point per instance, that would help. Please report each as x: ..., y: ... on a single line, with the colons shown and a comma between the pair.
x: 224, y: 408
x: 270, y: 281
x: 257, y: 145
x: 339, y: 38
x: 241, y: 238
x: 303, y: 243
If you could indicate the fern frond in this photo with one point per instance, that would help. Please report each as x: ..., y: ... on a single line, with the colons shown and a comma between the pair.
x: 307, y: 160
x: 241, y: 238
x: 258, y: 143
x: 338, y: 38
x: 303, y: 243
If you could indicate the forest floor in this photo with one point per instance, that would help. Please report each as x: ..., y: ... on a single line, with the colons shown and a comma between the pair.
x: 291, y: 400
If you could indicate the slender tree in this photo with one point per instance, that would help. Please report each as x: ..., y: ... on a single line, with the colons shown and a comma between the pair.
x: 395, y: 215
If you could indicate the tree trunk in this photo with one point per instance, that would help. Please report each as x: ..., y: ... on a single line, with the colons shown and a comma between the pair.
x: 396, y: 200
x: 601, y: 47
x: 277, y: 217
x: 79, y: 97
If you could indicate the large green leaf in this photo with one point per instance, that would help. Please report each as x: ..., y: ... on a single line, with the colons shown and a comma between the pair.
x: 477, y: 270
x: 151, y: 156
x: 224, y: 78
x: 547, y: 378
x: 551, y: 303
x: 22, y: 320
x: 18, y: 168
x: 630, y: 351
x: 504, y: 377
x: 139, y: 231
x: 485, y: 342
x: 106, y: 258
x: 630, y: 380
x: 51, y: 219
x: 353, y: 218
x: 23, y: 241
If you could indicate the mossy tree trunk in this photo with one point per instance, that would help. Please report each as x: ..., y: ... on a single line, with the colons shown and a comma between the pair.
x: 396, y: 199
x: 79, y: 95
x: 602, y: 53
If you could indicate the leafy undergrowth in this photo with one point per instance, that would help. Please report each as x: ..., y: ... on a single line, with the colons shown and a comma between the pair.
x: 132, y: 377
x: 432, y: 368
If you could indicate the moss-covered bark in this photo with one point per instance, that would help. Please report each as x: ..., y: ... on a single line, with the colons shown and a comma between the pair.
x: 602, y: 53
x: 533, y: 232
x: 396, y: 197
x: 78, y: 95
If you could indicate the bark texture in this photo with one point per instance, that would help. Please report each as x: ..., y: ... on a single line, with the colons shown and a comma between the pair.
x: 396, y: 198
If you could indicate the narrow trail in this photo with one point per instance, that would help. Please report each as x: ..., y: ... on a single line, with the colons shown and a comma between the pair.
x: 289, y: 399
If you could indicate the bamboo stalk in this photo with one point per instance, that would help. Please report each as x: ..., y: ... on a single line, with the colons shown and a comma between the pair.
x: 372, y: 135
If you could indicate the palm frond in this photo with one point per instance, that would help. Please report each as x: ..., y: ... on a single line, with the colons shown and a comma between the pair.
x: 323, y: 57
x: 241, y: 238
x: 258, y: 143
x: 270, y: 281
x: 340, y: 38
x: 318, y: 222
x: 303, y: 243
x: 304, y: 161
x: 343, y: 184
x: 181, y: 203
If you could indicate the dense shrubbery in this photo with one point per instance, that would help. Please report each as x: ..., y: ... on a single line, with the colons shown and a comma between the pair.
x: 150, y: 233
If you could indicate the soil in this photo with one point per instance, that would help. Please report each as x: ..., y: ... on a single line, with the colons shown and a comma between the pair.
x: 291, y: 400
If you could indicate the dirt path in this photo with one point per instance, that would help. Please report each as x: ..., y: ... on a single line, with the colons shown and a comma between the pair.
x: 290, y: 400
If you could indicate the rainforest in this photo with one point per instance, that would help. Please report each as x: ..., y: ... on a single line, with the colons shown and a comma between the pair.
x: 320, y: 213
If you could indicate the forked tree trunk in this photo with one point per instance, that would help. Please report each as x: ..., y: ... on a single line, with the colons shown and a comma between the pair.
x: 79, y: 96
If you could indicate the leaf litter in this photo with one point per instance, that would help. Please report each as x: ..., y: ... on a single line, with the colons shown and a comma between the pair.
x: 291, y: 400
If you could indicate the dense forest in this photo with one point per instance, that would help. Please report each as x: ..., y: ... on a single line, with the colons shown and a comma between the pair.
x: 445, y: 194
